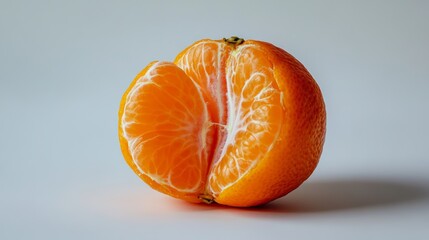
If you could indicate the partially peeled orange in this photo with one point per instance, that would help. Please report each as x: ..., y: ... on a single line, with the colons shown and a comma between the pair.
x: 232, y: 121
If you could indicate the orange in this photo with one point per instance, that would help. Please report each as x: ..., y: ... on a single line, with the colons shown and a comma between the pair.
x: 235, y: 122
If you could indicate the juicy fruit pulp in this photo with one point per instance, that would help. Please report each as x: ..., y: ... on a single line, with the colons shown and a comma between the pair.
x: 236, y: 122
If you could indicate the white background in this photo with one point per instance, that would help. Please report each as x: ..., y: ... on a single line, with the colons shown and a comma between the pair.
x: 65, y: 64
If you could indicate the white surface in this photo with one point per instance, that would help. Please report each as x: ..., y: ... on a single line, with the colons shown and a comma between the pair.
x: 65, y: 64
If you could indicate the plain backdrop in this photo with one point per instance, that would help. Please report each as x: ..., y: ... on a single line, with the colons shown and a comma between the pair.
x: 65, y: 64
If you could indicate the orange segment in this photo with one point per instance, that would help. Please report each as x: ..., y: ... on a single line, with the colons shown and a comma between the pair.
x: 205, y: 63
x: 254, y: 116
x: 295, y: 153
x: 163, y: 123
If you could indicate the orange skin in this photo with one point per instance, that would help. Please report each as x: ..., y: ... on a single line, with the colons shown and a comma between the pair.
x: 245, y: 168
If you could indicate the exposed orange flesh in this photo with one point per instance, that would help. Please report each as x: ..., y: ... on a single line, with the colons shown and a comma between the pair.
x: 239, y: 124
x: 161, y: 133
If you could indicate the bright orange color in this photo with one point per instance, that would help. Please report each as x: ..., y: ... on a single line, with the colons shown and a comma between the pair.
x: 237, y: 123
